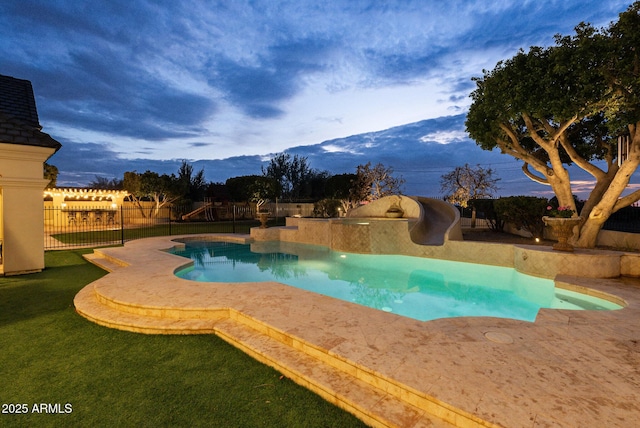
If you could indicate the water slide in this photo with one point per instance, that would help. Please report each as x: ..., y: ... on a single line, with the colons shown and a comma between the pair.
x: 440, y: 221
x: 434, y: 221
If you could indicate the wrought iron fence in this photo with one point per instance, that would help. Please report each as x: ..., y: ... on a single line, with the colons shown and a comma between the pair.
x: 467, y: 222
x: 480, y: 223
x: 91, y: 227
x: 625, y: 220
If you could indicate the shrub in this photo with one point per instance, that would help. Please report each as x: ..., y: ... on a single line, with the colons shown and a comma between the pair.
x: 326, y: 208
x: 524, y: 212
x: 486, y: 209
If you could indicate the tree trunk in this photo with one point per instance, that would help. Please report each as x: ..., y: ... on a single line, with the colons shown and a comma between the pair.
x: 139, y: 206
x: 605, y: 207
x: 596, y: 195
x: 588, y: 234
x: 558, y: 178
x: 562, y: 189
x: 473, y: 217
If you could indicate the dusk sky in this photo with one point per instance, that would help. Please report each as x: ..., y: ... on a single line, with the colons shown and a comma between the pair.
x: 132, y: 84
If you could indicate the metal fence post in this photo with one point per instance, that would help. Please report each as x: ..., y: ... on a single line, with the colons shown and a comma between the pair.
x: 121, y: 224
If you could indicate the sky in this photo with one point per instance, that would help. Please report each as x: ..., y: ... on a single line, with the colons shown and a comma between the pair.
x: 136, y: 85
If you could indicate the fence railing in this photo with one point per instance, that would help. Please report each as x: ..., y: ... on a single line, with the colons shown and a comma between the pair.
x: 624, y: 220
x: 480, y: 223
x: 93, y: 227
x: 90, y: 227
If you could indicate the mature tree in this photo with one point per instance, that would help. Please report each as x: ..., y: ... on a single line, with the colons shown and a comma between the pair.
x: 465, y: 183
x: 568, y: 104
x: 217, y: 191
x: 291, y: 172
x: 51, y: 174
x: 191, y: 186
x: 252, y: 188
x: 262, y: 190
x: 132, y: 184
x: 160, y: 189
x: 373, y: 183
x: 106, y: 184
x: 240, y: 188
x: 315, y: 186
x: 339, y: 187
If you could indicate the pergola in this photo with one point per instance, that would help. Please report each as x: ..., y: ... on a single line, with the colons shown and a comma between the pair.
x: 71, y: 206
x: 99, y: 197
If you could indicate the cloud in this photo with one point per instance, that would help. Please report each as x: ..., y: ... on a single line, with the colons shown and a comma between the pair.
x: 160, y: 79
x: 89, y: 77
x: 258, y: 88
x: 199, y: 144
x: 124, y: 100
x: 332, y: 148
x: 421, y: 161
x: 444, y: 137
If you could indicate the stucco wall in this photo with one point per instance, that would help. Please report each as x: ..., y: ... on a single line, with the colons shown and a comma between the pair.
x: 21, y: 185
x: 620, y: 240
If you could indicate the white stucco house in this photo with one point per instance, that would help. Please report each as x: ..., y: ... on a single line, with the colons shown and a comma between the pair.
x: 23, y: 150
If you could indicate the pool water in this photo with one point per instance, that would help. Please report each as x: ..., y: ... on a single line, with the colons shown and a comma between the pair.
x: 414, y: 287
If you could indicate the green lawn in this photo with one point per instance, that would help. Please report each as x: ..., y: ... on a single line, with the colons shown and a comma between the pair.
x: 105, y: 377
x: 87, y: 235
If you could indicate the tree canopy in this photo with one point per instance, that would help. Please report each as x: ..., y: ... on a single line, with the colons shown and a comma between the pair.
x: 51, y: 174
x: 106, y: 183
x: 161, y: 189
x: 567, y: 105
x: 253, y: 188
x: 293, y: 173
x: 375, y: 182
x: 466, y: 182
x: 190, y: 186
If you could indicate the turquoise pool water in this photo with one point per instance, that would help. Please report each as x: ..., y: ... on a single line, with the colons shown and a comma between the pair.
x: 415, y: 287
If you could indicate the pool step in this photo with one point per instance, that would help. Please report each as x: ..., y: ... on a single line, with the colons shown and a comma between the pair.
x: 103, y: 261
x: 88, y: 305
x: 372, y: 405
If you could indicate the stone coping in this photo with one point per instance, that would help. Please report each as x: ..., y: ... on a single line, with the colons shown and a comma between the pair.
x: 568, y: 368
x: 392, y: 236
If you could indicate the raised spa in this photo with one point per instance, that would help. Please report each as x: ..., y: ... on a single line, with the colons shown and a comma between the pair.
x: 414, y: 287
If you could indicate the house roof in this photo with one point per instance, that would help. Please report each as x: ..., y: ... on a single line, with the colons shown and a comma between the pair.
x: 19, y: 122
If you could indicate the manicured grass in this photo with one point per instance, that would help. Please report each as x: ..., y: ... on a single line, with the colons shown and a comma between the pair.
x: 51, y: 355
x: 86, y: 235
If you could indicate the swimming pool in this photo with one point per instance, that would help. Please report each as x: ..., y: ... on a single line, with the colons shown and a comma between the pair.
x: 414, y: 287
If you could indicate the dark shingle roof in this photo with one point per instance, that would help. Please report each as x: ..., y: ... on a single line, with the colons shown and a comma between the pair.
x: 19, y: 122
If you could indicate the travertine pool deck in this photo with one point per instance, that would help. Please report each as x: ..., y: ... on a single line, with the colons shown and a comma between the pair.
x: 567, y: 369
